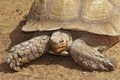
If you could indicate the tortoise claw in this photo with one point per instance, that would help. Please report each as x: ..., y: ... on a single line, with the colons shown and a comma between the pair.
x: 12, y: 61
x: 111, y: 64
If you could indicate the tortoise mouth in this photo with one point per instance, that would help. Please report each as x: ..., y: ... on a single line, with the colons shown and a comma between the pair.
x: 57, y: 50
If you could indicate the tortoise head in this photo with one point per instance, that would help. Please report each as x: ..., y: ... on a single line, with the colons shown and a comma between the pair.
x: 60, y: 41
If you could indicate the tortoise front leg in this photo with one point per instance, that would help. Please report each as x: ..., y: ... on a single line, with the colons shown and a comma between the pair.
x: 27, y: 51
x: 89, y: 58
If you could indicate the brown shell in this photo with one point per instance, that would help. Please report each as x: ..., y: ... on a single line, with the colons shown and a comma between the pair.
x: 95, y: 16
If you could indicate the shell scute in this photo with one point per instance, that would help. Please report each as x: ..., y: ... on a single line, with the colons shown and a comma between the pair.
x: 95, y: 16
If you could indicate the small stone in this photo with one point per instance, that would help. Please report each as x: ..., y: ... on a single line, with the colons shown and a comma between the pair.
x: 84, y: 73
x: 1, y: 73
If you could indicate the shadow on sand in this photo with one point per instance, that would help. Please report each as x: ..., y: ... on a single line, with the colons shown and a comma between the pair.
x: 17, y: 36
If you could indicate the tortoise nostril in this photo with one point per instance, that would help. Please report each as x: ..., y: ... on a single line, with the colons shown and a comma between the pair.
x: 61, y: 41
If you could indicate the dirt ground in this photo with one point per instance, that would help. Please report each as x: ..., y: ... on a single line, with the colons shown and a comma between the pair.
x: 47, y: 67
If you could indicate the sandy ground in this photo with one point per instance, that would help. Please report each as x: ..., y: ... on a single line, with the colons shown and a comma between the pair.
x: 47, y: 67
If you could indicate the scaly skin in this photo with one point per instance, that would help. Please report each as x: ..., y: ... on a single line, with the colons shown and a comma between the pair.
x: 90, y: 58
x: 27, y: 51
x: 83, y: 54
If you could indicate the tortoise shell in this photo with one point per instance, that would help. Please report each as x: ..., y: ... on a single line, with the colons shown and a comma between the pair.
x: 95, y: 16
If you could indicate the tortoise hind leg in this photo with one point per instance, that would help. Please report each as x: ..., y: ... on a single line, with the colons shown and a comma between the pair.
x: 90, y: 58
x: 27, y: 51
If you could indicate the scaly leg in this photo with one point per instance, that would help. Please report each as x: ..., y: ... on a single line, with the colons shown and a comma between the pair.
x: 89, y: 58
x: 27, y: 51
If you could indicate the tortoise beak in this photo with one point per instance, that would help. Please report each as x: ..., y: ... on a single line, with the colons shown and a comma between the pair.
x: 57, y: 50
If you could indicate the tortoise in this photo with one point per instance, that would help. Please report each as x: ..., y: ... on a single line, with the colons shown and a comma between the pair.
x: 82, y: 29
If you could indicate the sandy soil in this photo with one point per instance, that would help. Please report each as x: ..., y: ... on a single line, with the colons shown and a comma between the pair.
x: 47, y: 67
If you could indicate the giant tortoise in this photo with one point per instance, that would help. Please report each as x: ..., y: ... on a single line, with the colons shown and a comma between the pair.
x: 82, y: 29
